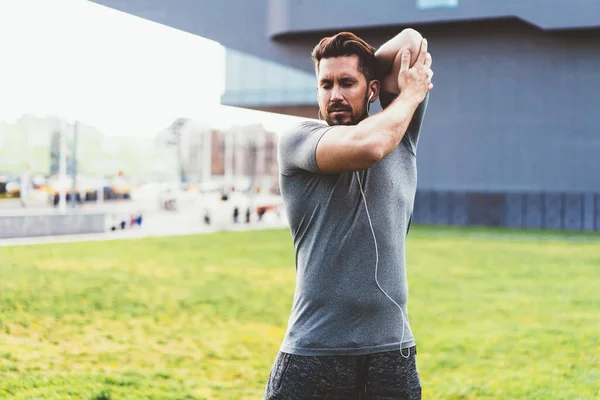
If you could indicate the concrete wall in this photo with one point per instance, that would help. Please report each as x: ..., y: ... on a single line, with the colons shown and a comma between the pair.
x: 513, y: 109
x: 47, y: 225
x: 512, y: 135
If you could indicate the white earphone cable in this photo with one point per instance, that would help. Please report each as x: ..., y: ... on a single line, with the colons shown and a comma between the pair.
x: 377, y: 265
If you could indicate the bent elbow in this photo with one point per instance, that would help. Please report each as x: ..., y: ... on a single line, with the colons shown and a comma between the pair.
x: 412, y: 33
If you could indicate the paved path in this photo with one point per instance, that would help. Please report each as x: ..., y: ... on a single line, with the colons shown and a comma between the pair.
x: 154, y: 225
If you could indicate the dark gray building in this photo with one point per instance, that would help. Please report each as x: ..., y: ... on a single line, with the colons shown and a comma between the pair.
x: 512, y: 135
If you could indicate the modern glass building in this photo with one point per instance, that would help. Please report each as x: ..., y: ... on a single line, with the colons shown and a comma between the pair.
x: 255, y: 83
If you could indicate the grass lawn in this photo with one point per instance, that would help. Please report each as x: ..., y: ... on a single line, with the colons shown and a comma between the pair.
x: 202, y: 317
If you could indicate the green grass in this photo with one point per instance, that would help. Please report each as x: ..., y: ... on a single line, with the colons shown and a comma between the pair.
x: 201, y: 317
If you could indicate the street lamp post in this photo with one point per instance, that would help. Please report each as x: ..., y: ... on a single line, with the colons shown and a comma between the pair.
x: 74, y: 165
x: 62, y: 171
x: 252, y: 151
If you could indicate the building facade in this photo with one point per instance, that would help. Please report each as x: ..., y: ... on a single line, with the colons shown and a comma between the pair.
x: 237, y: 157
x: 511, y: 136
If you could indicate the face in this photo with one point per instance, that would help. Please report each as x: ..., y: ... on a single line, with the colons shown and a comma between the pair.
x: 342, y: 91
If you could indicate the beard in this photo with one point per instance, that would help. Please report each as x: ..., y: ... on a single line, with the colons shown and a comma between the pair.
x: 354, y: 117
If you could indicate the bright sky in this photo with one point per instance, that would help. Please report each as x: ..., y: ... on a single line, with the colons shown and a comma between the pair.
x: 122, y: 74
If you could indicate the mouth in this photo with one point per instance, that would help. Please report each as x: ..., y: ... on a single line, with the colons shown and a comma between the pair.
x: 338, y: 112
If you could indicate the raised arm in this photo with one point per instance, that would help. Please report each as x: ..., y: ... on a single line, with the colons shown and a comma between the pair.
x: 352, y: 148
x: 389, y: 57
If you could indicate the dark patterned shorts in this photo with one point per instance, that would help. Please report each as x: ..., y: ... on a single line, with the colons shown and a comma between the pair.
x: 380, y: 376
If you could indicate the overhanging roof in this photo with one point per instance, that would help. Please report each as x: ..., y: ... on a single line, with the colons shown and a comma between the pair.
x: 292, y: 16
x: 284, y: 31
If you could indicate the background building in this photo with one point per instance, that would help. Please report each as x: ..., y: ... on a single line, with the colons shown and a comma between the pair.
x: 239, y: 156
x: 511, y: 136
x: 32, y: 142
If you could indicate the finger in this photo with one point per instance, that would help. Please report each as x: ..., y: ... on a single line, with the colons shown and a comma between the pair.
x: 423, y: 53
x: 428, y: 61
x: 405, y: 62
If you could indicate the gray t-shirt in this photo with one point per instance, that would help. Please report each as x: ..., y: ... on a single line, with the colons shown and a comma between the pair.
x: 338, y: 308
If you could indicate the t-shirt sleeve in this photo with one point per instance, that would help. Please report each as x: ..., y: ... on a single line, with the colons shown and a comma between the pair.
x: 411, y: 138
x: 297, y: 149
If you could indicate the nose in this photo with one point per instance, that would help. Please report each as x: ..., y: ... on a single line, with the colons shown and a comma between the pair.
x: 336, y: 94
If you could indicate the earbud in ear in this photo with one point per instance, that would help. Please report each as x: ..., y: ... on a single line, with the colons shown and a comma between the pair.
x: 371, y: 95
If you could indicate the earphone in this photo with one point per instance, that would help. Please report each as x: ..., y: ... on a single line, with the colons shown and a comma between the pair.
x: 369, y: 104
x: 377, y: 261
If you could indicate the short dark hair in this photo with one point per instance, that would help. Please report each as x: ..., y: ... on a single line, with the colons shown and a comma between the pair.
x: 346, y: 44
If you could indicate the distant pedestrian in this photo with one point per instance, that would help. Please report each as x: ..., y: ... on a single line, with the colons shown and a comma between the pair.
x: 261, y: 212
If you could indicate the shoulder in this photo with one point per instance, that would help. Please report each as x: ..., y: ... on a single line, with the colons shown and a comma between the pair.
x: 301, y: 131
x: 297, y: 147
x: 305, y: 126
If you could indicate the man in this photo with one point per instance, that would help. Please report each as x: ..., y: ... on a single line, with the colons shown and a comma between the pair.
x: 348, y: 188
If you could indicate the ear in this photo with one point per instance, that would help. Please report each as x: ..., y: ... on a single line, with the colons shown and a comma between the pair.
x: 374, y: 87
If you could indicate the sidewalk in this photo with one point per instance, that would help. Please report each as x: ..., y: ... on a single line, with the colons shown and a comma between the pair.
x: 140, y: 233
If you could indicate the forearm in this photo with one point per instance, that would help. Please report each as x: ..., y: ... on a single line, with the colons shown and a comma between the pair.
x: 407, y: 39
x: 386, y: 129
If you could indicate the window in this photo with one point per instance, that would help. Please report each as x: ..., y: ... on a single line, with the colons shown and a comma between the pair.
x: 252, y: 81
x: 429, y: 4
